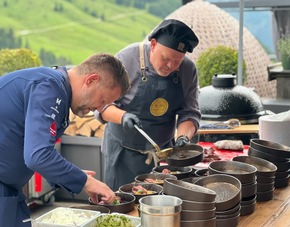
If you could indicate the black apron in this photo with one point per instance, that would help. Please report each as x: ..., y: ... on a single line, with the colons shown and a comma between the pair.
x: 156, y: 102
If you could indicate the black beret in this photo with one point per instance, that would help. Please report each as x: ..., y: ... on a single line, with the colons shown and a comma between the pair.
x: 175, y: 35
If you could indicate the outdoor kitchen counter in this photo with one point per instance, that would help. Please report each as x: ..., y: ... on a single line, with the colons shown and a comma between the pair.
x: 272, y: 213
x: 254, y: 128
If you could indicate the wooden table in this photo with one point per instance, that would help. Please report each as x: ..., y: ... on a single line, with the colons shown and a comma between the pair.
x: 248, y: 129
x: 272, y: 213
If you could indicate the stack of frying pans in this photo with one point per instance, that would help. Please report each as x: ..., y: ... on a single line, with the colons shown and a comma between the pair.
x: 198, y: 203
x: 246, y: 174
x: 265, y: 176
x: 228, y: 197
x: 276, y: 153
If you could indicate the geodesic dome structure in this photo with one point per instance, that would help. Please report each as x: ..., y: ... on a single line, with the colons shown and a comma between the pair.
x: 214, y: 27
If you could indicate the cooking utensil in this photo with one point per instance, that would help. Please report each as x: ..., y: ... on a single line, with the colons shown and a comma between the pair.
x: 187, y: 155
x: 127, y: 188
x: 227, y: 188
x: 127, y: 203
x: 263, y: 166
x: 179, y: 172
x: 271, y: 147
x: 160, y: 153
x: 159, y: 177
x: 233, y: 122
x: 188, y: 191
x: 160, y: 210
x: 244, y: 172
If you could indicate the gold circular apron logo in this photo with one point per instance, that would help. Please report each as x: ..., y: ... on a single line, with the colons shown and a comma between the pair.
x: 158, y: 107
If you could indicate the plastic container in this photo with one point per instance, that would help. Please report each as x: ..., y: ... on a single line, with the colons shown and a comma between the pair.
x: 71, y: 213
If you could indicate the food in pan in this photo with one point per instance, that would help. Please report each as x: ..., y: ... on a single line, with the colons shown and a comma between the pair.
x: 139, y: 190
x: 116, y: 201
x: 209, y: 155
x: 167, y: 171
x: 154, y: 181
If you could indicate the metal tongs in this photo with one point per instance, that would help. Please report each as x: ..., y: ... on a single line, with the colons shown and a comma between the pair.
x: 162, y: 154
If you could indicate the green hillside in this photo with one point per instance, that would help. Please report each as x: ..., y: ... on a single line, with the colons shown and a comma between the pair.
x: 75, y: 29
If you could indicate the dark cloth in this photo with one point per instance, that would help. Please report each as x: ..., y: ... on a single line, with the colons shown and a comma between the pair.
x: 176, y: 35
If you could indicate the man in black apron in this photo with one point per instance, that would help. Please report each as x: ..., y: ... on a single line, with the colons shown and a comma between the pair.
x: 162, y: 98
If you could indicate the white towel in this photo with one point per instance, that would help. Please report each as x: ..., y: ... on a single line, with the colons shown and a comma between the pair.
x: 275, y: 128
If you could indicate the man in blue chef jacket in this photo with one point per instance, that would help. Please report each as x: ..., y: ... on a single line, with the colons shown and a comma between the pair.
x: 34, y: 113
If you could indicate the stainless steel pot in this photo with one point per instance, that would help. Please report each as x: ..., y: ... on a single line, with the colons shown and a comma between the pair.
x: 160, y: 210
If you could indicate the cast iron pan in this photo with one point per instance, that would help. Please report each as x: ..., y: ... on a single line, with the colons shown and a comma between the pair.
x: 188, y: 191
x: 244, y: 172
x: 187, y: 155
x: 127, y: 188
x: 263, y: 166
x: 269, y: 157
x: 159, y: 177
x: 227, y: 188
x: 271, y: 147
x: 179, y: 172
x: 127, y: 203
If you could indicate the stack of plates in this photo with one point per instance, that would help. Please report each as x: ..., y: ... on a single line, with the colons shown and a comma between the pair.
x: 265, y: 176
x: 228, y: 197
x: 246, y: 174
x: 276, y: 153
x: 198, y: 203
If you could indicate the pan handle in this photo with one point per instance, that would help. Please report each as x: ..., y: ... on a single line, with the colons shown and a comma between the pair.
x: 148, y: 138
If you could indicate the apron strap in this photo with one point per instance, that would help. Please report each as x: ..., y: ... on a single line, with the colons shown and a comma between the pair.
x: 142, y: 61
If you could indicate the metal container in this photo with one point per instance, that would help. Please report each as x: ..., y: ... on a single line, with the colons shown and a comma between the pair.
x: 160, y: 210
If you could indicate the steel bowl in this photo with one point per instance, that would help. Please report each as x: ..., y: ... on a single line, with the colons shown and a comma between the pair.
x: 158, y: 177
x: 271, y: 147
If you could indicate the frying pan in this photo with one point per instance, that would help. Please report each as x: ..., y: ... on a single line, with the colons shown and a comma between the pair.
x: 181, y: 172
x: 187, y: 155
x: 246, y: 173
x: 271, y: 147
x: 127, y: 203
x: 227, y: 188
x: 263, y: 166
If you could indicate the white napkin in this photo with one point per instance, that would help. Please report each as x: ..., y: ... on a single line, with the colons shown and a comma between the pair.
x: 275, y: 127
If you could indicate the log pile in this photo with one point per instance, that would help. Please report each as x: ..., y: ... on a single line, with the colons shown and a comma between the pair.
x: 87, y: 126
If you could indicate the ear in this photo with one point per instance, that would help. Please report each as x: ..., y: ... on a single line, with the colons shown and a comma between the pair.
x: 92, y: 78
x: 153, y: 43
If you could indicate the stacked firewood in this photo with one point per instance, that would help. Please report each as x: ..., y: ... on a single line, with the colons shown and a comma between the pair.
x: 87, y: 126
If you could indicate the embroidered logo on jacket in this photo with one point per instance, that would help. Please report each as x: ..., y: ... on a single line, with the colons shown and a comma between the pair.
x: 52, y: 129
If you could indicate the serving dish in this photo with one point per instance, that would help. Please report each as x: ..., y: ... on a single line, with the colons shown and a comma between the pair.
x: 227, y: 188
x: 116, y: 219
x: 185, y: 156
x: 188, y: 191
x: 66, y: 217
x: 270, y: 147
x: 158, y: 178
x: 127, y: 203
x: 127, y: 188
x: 263, y: 166
x: 244, y: 172
x: 179, y: 172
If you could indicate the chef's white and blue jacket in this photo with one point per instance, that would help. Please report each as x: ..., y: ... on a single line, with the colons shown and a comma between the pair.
x: 34, y: 113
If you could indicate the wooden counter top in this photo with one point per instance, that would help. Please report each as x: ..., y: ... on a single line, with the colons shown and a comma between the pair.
x: 242, y: 129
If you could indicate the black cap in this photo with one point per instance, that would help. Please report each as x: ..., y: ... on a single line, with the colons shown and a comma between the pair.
x: 175, y: 35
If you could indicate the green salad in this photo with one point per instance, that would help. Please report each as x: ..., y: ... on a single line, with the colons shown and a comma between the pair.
x: 113, y: 220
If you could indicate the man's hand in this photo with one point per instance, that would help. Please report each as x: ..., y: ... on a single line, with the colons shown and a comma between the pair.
x: 181, y: 141
x: 129, y: 120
